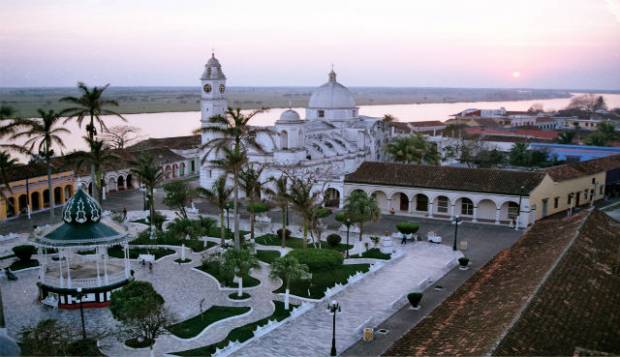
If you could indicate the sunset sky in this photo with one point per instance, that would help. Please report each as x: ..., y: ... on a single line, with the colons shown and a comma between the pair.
x: 474, y: 43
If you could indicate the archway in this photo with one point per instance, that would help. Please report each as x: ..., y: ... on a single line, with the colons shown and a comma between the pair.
x: 23, y: 203
x: 68, y: 192
x: 400, y: 202
x: 57, y: 195
x: 120, y: 183
x: 283, y: 140
x: 90, y: 188
x: 467, y: 207
x: 167, y: 172
x: 111, y: 184
x: 10, y: 207
x: 332, y: 197
x: 182, y: 169
x: 34, y: 201
x: 421, y: 202
x: 175, y: 170
x: 381, y: 199
x: 129, y: 182
x: 46, y: 198
x: 486, y: 210
x: 509, y: 211
x: 442, y: 205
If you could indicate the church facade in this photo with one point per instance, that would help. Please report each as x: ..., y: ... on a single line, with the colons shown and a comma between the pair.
x: 330, y: 142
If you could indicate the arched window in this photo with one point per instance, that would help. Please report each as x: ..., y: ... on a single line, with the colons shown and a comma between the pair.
x: 513, y: 210
x: 421, y: 203
x: 10, y: 207
x: 443, y: 204
x: 284, y: 140
x: 332, y: 197
x: 46, y: 198
x: 404, y: 202
x: 57, y: 195
x: 467, y: 207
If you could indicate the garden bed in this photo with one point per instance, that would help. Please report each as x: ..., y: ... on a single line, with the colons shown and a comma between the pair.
x: 297, y: 243
x: 267, y: 256
x: 134, y: 343
x: 117, y: 252
x: 23, y: 264
x: 182, y: 261
x: 374, y: 253
x: 235, y: 296
x: 248, y: 281
x: 167, y: 239
x: 194, y: 326
x: 323, y: 279
x: 240, y: 334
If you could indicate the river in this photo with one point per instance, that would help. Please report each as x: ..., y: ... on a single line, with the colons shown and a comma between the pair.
x: 183, y: 123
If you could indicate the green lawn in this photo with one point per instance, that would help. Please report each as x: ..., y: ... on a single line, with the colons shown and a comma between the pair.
x: 166, y: 239
x: 296, y: 243
x: 248, y: 281
x: 117, y: 252
x: 323, y: 279
x: 23, y: 264
x: 240, y: 334
x: 267, y: 256
x: 372, y: 253
x: 195, y: 325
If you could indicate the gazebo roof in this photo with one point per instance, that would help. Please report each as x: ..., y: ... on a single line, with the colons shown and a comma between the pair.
x: 81, y: 225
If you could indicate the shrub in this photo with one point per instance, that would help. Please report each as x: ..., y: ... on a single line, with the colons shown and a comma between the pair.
x: 463, y: 261
x: 158, y: 220
x: 257, y: 207
x: 407, y: 227
x: 333, y: 240
x: 287, y: 234
x: 318, y: 259
x: 24, y: 252
x: 414, y: 299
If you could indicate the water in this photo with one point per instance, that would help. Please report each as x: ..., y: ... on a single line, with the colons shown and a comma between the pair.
x: 183, y: 123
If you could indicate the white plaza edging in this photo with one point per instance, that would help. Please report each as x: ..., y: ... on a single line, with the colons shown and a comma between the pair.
x: 221, y: 288
x: 208, y: 327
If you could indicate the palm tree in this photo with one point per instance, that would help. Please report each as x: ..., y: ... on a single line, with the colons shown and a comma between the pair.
x: 239, y: 262
x: 288, y: 269
x: 234, y: 136
x: 6, y: 163
x: 150, y: 175
x: 98, y: 156
x: 566, y: 137
x: 92, y: 105
x: 389, y: 118
x: 8, y: 127
x: 361, y: 208
x: 280, y: 198
x: 413, y: 148
x: 44, y: 133
x: 249, y: 179
x: 518, y: 154
x: 218, y: 195
x: 304, y: 201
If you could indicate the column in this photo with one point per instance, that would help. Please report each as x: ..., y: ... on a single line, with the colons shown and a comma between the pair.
x: 43, y: 267
x: 453, y: 209
x: 41, y: 205
x: 475, y: 213
x: 105, y: 267
x: 430, y: 208
x: 62, y: 280
x: 68, y: 268
x: 62, y: 196
x: 126, y: 260
x: 97, y: 256
x: 497, y: 214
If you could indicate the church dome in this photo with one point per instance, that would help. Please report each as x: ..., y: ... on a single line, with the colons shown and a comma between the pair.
x: 81, y: 209
x: 213, y: 70
x: 289, y: 115
x: 332, y: 95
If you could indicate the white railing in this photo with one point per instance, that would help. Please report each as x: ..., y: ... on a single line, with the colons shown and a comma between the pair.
x: 85, y: 282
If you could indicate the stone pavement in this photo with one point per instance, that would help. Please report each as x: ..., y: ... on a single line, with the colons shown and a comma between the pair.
x: 371, y: 298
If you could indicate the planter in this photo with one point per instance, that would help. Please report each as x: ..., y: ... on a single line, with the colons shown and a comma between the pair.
x: 414, y: 299
x: 463, y: 263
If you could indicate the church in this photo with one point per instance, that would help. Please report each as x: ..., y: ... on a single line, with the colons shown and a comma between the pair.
x: 330, y: 142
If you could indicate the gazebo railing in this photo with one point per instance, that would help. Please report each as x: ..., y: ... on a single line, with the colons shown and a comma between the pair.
x: 85, y: 282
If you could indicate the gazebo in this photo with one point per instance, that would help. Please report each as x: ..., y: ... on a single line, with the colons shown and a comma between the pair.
x: 76, y: 269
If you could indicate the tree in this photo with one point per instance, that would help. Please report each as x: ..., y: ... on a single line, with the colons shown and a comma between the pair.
x: 536, y: 108
x: 178, y: 196
x: 587, y: 103
x: 91, y: 104
x: 344, y: 218
x: 150, y: 175
x: 233, y: 136
x: 316, y: 225
x: 389, y: 118
x: 7, y: 163
x: 413, y: 148
x: 518, y: 154
x: 239, y: 262
x: 566, y: 137
x: 44, y: 133
x: 361, y: 208
x: 288, y: 269
x: 218, y: 195
x: 605, y: 132
x: 304, y: 201
x: 279, y: 196
x: 249, y: 179
x: 120, y: 136
x: 141, y: 310
x: 48, y: 338
x: 99, y: 156
x: 489, y: 158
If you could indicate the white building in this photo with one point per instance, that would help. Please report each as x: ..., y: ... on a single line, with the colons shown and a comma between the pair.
x: 331, y: 141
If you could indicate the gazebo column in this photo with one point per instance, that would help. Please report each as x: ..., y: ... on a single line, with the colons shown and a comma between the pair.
x: 68, y: 268
x: 126, y: 260
x: 43, y: 266
x: 105, y: 268
x: 97, y: 256
x: 62, y: 280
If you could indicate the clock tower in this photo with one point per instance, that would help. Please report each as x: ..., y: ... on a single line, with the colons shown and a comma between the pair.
x: 212, y: 102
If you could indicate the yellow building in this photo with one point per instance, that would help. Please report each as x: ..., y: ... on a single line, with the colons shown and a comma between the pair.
x: 29, y: 190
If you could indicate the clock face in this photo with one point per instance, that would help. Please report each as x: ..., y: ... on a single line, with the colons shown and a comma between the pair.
x: 207, y: 88
x: 222, y: 88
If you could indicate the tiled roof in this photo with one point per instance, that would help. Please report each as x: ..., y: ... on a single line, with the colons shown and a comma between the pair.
x: 175, y: 143
x: 583, y: 168
x: 555, y: 291
x: 427, y: 123
x: 444, y: 177
x: 31, y: 170
x: 529, y: 133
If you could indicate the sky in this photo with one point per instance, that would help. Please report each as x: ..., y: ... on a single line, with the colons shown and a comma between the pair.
x: 445, y: 43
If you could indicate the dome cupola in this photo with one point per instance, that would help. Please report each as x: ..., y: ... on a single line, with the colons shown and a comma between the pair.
x: 332, y: 95
x: 289, y: 115
x: 213, y: 70
x: 81, y: 209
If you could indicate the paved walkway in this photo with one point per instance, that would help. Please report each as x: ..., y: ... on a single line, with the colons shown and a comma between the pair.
x: 310, y: 334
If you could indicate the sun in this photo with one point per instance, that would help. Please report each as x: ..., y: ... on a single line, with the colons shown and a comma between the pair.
x: 516, y: 74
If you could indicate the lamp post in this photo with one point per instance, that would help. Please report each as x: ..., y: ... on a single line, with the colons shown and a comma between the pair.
x: 457, y: 221
x: 521, y: 189
x: 347, y: 222
x: 79, y: 292
x: 333, y: 307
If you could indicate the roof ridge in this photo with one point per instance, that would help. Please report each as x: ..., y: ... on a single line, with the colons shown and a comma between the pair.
x: 542, y: 282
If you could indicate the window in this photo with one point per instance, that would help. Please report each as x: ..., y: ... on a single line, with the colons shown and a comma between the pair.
x: 321, y: 113
x: 569, y: 200
x: 513, y: 210
x: 421, y: 203
x: 404, y: 202
x: 442, y: 204
x: 467, y: 207
x: 556, y: 202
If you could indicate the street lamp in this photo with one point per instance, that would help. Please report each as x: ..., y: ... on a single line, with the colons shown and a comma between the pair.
x: 80, y: 301
x: 347, y: 222
x: 457, y: 221
x: 333, y: 307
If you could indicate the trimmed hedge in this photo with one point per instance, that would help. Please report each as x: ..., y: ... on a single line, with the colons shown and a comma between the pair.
x: 318, y: 259
x: 24, y: 252
x: 414, y: 299
x: 287, y: 234
x: 407, y: 227
x: 333, y: 240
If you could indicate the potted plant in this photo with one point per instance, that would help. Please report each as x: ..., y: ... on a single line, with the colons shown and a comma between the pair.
x: 414, y: 299
x: 464, y: 263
